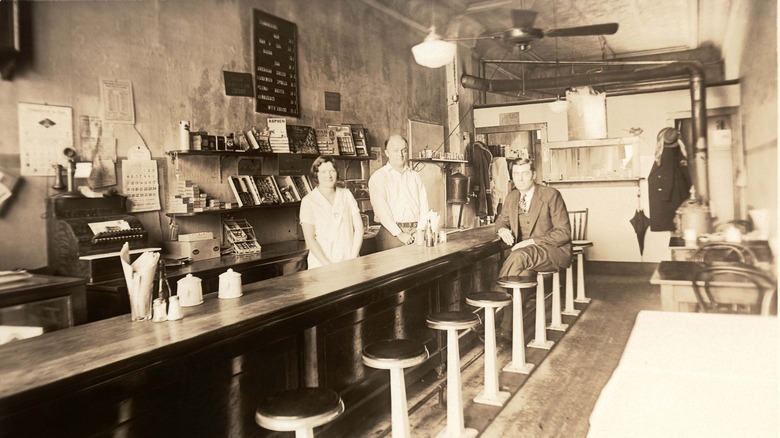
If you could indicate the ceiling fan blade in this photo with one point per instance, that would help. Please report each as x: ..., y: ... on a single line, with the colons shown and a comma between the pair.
x: 523, y: 18
x: 594, y: 29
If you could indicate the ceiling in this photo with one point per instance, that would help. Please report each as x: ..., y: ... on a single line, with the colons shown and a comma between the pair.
x: 648, y: 30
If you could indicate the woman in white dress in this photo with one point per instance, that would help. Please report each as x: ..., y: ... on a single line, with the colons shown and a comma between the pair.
x: 330, y: 218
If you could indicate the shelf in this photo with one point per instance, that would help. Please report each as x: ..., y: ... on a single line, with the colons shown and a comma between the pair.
x: 441, y: 162
x: 235, y: 210
x: 592, y: 181
x: 255, y: 154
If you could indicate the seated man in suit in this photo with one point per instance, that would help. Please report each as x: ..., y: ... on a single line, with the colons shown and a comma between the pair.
x: 535, y: 223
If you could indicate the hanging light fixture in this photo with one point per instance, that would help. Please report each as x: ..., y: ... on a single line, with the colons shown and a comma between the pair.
x: 434, y: 52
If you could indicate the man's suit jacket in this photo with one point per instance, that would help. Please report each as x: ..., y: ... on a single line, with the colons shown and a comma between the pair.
x: 549, y: 222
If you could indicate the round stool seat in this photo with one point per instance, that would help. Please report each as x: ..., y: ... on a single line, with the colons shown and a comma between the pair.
x: 394, y: 353
x: 581, y: 243
x: 452, y: 320
x: 488, y: 299
x: 299, y: 408
x: 514, y: 281
x: 577, y: 250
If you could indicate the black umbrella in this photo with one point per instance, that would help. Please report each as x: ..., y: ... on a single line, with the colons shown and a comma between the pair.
x: 640, y: 222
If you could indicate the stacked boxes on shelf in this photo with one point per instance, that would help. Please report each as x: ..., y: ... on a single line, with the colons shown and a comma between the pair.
x: 188, y: 198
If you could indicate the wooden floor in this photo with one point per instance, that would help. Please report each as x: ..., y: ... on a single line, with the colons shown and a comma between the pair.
x: 558, y: 397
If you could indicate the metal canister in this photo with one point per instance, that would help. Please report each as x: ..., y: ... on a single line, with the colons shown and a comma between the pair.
x: 693, y: 215
x: 457, y: 188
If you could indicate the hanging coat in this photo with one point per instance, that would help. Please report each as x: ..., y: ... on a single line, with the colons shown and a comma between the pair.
x: 481, y: 159
x: 668, y: 185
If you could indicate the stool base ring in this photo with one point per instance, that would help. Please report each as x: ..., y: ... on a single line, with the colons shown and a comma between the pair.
x: 524, y: 368
x: 574, y: 312
x: 542, y: 345
x: 499, y: 400
x: 558, y: 328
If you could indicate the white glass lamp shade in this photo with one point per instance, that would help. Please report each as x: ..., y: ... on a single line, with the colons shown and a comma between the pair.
x: 434, y: 52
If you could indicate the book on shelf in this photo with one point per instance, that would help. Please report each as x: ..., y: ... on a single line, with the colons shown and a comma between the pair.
x: 326, y: 141
x: 359, y: 139
x: 303, y: 184
x: 303, y: 139
x: 240, y: 191
x: 277, y: 137
x: 346, y: 145
x: 267, y: 189
x: 287, y: 189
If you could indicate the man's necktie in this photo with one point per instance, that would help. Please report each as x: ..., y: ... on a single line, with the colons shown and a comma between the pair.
x: 523, y: 207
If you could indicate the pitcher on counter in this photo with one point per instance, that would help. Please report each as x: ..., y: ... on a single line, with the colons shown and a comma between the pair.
x: 398, y: 197
x: 330, y: 218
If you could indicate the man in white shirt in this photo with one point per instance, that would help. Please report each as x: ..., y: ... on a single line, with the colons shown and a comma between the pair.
x: 398, y: 197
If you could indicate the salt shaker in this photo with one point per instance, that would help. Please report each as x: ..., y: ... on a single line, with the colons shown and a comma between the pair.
x: 174, y: 308
x: 158, y: 310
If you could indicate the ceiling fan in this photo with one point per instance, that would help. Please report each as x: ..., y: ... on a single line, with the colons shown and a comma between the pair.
x: 523, y: 33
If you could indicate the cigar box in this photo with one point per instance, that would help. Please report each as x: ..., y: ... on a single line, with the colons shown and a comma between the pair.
x: 196, y: 250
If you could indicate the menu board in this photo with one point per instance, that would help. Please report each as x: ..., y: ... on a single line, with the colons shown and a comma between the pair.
x: 276, y: 71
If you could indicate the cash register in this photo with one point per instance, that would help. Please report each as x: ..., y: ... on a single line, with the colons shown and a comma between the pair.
x: 84, y: 236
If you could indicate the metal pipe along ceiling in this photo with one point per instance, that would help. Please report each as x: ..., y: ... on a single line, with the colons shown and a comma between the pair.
x: 698, y: 92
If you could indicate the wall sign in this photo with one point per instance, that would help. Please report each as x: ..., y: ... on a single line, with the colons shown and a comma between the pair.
x: 276, y: 65
x: 238, y: 84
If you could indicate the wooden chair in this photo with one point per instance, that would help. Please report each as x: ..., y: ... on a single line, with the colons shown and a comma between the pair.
x: 578, y: 220
x: 724, y: 252
x: 711, y: 282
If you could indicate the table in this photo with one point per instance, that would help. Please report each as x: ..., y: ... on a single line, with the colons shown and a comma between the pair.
x: 680, y: 252
x: 693, y: 374
x: 676, y: 281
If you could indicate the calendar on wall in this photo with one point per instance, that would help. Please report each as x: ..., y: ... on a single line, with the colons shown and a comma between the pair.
x: 140, y: 182
x: 45, y: 131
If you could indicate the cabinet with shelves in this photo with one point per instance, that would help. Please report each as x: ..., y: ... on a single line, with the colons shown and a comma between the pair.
x: 176, y: 156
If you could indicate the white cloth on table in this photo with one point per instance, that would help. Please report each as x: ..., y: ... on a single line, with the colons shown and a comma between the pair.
x: 693, y: 374
x: 333, y: 225
x: 397, y: 197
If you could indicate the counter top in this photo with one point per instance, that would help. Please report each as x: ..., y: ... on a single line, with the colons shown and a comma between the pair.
x: 66, y: 360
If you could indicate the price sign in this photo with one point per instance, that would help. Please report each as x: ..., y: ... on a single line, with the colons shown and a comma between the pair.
x: 276, y: 65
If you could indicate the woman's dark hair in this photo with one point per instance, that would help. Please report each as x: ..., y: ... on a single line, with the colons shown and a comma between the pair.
x: 315, y: 167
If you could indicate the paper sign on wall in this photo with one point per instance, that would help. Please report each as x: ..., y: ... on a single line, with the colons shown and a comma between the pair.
x: 45, y: 131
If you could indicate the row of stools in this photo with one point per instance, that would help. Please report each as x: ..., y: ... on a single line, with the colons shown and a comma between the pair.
x: 303, y: 409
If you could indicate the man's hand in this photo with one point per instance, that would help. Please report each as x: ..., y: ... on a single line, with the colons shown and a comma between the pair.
x: 523, y: 244
x: 405, y: 238
x: 506, y: 235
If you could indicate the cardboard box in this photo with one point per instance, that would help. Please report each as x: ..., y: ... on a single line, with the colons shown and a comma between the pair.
x: 197, y: 250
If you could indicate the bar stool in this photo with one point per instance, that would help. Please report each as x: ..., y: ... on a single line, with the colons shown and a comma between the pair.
x: 569, y: 301
x: 395, y: 355
x: 540, y: 337
x: 452, y: 322
x: 555, y: 317
x: 516, y: 283
x: 490, y: 301
x: 299, y: 410
x: 581, y: 245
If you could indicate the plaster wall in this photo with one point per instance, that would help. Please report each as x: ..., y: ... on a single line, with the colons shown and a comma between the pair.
x: 174, y: 53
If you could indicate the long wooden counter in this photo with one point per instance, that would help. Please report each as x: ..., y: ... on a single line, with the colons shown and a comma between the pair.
x: 203, y: 375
